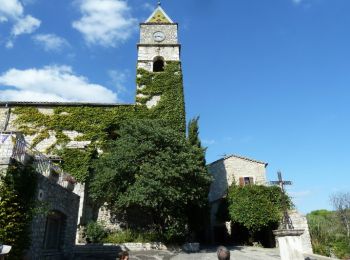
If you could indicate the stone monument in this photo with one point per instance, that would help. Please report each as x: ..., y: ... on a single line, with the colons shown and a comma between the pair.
x: 289, y: 239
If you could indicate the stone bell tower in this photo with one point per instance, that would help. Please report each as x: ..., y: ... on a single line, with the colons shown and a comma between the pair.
x: 158, y: 42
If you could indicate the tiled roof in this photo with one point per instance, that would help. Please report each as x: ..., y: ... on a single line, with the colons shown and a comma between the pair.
x: 240, y: 157
x: 53, y: 104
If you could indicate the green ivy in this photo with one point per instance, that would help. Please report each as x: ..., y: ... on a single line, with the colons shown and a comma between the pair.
x: 169, y: 85
x: 17, y: 190
x: 100, y: 124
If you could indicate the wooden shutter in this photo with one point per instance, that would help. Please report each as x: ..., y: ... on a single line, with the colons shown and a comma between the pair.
x: 251, y: 180
x: 241, y: 181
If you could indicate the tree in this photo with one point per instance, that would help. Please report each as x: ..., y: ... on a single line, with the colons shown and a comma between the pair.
x: 255, y: 207
x: 148, y: 177
x: 341, y: 203
x: 17, y: 190
x: 199, y: 213
x: 327, y: 234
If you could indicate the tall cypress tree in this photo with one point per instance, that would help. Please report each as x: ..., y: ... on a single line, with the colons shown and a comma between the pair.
x: 198, y: 213
x: 193, y: 138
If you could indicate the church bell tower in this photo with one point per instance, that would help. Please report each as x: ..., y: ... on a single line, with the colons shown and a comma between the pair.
x: 158, y: 42
x: 159, y: 77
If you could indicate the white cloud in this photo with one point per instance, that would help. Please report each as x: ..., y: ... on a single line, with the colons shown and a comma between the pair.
x: 3, y: 19
x: 9, y: 44
x: 297, y: 1
x: 208, y: 141
x: 11, y: 8
x: 105, y: 22
x: 51, y: 83
x: 50, y: 42
x: 25, y: 25
x: 13, y: 11
x: 300, y: 194
x: 118, y: 79
x: 148, y: 7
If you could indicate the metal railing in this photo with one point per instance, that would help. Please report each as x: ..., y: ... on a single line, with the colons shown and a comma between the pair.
x: 21, y: 151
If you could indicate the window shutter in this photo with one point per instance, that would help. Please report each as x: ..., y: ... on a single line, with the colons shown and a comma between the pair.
x: 241, y: 181
x: 251, y: 180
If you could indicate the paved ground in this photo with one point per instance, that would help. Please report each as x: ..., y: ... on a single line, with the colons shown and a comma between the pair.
x: 237, y: 253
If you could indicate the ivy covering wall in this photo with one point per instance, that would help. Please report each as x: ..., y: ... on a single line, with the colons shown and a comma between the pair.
x: 100, y: 124
x: 17, y: 190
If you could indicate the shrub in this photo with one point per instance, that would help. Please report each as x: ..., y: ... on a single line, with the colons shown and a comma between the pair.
x: 127, y: 236
x: 17, y: 189
x: 95, y: 232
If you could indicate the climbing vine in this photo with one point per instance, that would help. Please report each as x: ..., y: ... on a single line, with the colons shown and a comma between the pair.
x: 100, y: 124
x: 17, y: 190
x: 168, y: 84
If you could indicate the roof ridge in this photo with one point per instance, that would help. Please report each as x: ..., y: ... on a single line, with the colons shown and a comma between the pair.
x: 240, y: 157
x: 48, y: 103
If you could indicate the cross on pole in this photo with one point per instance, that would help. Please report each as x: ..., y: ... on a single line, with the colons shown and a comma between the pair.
x: 286, y: 222
x: 159, y: 2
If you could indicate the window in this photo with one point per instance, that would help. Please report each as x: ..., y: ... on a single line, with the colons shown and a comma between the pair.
x: 158, y: 64
x: 246, y: 181
x: 54, y: 230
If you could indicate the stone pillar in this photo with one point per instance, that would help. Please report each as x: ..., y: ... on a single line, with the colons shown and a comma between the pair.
x: 289, y: 242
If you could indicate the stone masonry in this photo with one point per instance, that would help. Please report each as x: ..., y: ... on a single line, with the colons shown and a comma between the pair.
x: 228, y: 170
x: 55, y: 199
x: 300, y: 222
x: 54, y: 194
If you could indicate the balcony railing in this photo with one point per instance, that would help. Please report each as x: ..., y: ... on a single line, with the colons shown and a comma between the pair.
x: 14, y: 146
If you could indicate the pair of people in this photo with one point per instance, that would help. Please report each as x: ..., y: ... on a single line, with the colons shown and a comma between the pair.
x: 222, y: 252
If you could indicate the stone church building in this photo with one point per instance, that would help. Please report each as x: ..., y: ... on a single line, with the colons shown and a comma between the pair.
x: 239, y: 170
x: 45, y: 130
x: 50, y: 131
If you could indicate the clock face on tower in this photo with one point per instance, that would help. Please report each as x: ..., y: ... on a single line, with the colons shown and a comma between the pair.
x: 159, y: 36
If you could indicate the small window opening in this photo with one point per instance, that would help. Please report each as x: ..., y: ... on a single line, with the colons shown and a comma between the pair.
x: 246, y: 181
x: 158, y: 65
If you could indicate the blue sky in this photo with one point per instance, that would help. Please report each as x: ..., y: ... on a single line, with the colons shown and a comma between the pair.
x: 269, y: 78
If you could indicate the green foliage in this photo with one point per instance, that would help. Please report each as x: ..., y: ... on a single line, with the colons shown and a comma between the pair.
x: 95, y: 232
x: 17, y: 190
x: 255, y: 207
x: 151, y: 174
x: 328, y: 234
x: 77, y: 161
x: 168, y: 84
x: 199, y: 216
x: 101, y: 124
x: 130, y: 236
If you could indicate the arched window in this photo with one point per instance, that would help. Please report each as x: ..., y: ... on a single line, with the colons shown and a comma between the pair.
x: 158, y: 64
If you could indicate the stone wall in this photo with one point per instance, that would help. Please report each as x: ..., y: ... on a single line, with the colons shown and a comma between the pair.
x: 300, y: 222
x: 230, y: 169
x: 54, y: 197
x: 169, y: 30
x: 54, y: 194
x: 148, y: 48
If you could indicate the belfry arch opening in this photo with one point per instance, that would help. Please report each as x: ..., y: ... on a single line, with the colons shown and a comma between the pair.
x: 158, y: 64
